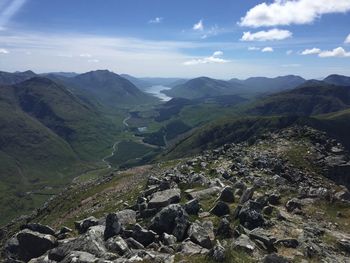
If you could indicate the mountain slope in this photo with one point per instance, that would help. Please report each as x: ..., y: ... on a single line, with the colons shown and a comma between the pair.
x: 311, y: 98
x: 7, y: 78
x: 204, y: 87
x: 338, y: 80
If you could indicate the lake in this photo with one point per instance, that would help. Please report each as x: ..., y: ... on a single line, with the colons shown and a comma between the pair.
x: 156, y: 91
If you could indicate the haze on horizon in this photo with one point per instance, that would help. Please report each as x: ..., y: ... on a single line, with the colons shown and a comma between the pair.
x: 177, y: 39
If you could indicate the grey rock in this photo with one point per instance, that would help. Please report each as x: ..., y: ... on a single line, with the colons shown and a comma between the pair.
x: 36, y: 227
x: 273, y: 258
x: 264, y: 237
x: 220, y: 209
x: 293, y: 204
x: 83, y: 225
x: 132, y: 243
x: 144, y: 236
x: 227, y: 195
x: 190, y: 248
x: 168, y: 239
x: 117, y: 245
x: 243, y: 242
x: 171, y: 220
x: 126, y: 217
x: 192, y: 207
x: 247, y: 195
x: 218, y: 253
x: 205, y: 193
x: 79, y: 257
x: 344, y: 244
x: 202, y: 233
x: 288, y: 242
x: 113, y: 226
x: 224, y: 229
x: 250, y: 216
x: 165, y: 198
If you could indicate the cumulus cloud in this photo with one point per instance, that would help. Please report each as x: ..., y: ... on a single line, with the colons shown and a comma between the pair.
x: 198, y: 26
x: 267, y: 49
x: 311, y: 51
x: 273, y: 34
x: 347, y: 40
x: 215, y: 58
x: 4, y: 51
x: 337, y: 52
x: 156, y: 20
x: 287, y: 12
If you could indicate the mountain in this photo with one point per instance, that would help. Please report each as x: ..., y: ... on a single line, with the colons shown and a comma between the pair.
x: 270, y: 85
x: 313, y: 97
x: 7, y: 78
x: 168, y: 82
x: 46, y: 133
x: 204, y: 87
x: 338, y: 80
x: 138, y: 82
x: 63, y: 74
x: 107, y: 89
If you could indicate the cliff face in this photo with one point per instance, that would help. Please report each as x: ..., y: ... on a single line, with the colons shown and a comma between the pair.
x: 277, y: 200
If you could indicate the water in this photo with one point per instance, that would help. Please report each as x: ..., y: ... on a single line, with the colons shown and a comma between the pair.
x: 156, y: 91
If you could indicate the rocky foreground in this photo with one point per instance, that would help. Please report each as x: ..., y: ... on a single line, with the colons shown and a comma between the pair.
x: 284, y: 198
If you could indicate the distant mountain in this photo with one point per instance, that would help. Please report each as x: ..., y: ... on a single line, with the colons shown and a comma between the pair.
x: 106, y: 89
x: 139, y: 83
x: 7, y: 78
x: 311, y: 98
x: 270, y: 85
x: 338, y: 80
x: 63, y: 74
x: 168, y: 82
x: 204, y: 87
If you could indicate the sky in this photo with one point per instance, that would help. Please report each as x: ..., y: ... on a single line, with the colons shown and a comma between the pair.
x: 183, y: 38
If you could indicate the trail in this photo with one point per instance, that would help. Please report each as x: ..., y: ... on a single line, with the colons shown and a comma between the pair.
x: 125, y: 121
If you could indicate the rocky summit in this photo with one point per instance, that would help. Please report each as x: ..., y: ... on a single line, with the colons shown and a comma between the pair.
x: 282, y: 198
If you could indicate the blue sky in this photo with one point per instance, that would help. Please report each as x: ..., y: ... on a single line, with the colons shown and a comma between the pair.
x: 221, y: 39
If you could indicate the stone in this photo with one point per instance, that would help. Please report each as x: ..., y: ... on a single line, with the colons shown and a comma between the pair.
x: 273, y: 258
x: 250, y: 216
x: 144, y: 236
x: 164, y: 198
x: 33, y: 244
x: 288, y: 242
x: 117, y: 245
x: 171, y: 220
x: 224, y: 229
x: 218, y: 253
x: 274, y: 199
x: 344, y: 244
x: 189, y: 248
x: 83, y: 225
x: 126, y: 217
x: 132, y: 243
x: 243, y: 242
x: 205, y: 193
x: 202, y: 233
x: 113, y: 226
x: 79, y: 257
x: 168, y: 239
x: 227, y: 195
x: 343, y: 195
x: 36, y: 227
x: 192, y: 207
x: 247, y: 195
x: 220, y: 209
x: 293, y: 204
x: 264, y: 237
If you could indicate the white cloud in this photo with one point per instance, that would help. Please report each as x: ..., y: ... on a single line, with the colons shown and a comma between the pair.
x: 9, y: 11
x: 215, y: 58
x: 253, y: 48
x: 267, y: 49
x: 337, y: 52
x: 85, y: 55
x: 156, y: 20
x: 273, y: 34
x: 4, y: 51
x: 287, y: 12
x: 311, y: 51
x: 347, y: 40
x: 198, y: 26
x: 289, y: 52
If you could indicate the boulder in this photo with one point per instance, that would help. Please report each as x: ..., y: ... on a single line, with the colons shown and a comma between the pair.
x: 132, y: 243
x: 250, y: 216
x: 293, y: 204
x: 33, y: 244
x: 190, y: 248
x: 192, y: 207
x: 247, y: 195
x: 265, y: 239
x: 126, y: 217
x: 204, y: 194
x: 144, y: 236
x: 171, y: 220
x: 243, y: 242
x: 224, y: 229
x: 202, y: 233
x: 227, y: 195
x: 218, y: 253
x: 83, y: 225
x: 274, y: 199
x: 273, y: 258
x: 36, y: 227
x: 220, y: 209
x: 117, y: 245
x: 79, y: 257
x: 168, y: 239
x: 113, y: 226
x: 344, y: 244
x: 165, y: 198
